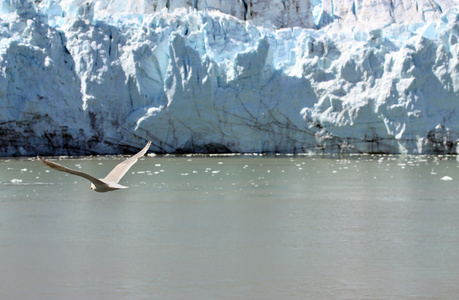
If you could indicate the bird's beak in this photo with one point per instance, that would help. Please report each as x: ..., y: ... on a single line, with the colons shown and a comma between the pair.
x: 90, y: 187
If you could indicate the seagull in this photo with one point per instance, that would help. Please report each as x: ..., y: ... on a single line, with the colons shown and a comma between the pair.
x: 110, y: 182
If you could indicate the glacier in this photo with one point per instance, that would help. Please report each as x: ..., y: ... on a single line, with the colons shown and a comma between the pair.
x: 241, y: 76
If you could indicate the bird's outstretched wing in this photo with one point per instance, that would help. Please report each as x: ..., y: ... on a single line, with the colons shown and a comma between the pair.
x: 118, y: 172
x: 61, y: 168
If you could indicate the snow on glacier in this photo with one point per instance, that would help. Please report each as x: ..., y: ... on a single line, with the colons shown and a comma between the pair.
x: 82, y: 77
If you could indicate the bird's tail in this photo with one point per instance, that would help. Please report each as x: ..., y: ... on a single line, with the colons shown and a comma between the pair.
x: 117, y: 185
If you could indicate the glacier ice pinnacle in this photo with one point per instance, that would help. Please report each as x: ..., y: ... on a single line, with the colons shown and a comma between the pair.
x: 288, y: 76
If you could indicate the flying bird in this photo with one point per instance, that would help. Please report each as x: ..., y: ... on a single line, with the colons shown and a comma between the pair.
x: 110, y: 182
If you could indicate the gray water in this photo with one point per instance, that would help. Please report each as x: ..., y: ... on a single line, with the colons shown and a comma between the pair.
x: 232, y: 227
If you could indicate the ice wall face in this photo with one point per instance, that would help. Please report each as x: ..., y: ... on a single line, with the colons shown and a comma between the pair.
x: 82, y: 77
x: 373, y: 14
x: 280, y: 13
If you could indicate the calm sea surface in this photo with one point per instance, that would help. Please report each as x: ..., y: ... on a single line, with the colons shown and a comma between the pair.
x: 232, y: 227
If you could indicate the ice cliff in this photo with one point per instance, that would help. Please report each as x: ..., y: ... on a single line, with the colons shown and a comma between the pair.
x: 288, y: 76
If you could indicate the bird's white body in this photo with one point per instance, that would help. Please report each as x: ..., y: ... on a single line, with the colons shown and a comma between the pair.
x: 110, y: 182
x: 109, y: 186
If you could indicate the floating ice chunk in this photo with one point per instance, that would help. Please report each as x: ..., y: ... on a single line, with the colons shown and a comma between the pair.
x: 446, y: 178
x: 15, y: 180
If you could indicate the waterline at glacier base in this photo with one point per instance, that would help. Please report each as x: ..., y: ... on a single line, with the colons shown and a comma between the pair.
x: 98, y: 77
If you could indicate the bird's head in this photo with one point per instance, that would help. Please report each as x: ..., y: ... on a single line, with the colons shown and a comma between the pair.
x: 92, y: 187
